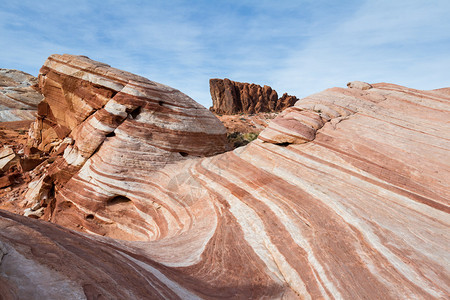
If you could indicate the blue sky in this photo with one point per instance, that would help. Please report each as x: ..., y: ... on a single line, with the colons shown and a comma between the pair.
x: 300, y: 47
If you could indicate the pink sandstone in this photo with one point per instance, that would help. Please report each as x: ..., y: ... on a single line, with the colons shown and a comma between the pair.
x: 344, y: 195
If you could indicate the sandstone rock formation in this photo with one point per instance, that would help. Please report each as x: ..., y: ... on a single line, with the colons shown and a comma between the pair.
x: 95, y: 118
x: 41, y: 261
x: 18, y: 99
x: 343, y: 196
x: 231, y: 97
x: 285, y: 101
x: 12, y: 162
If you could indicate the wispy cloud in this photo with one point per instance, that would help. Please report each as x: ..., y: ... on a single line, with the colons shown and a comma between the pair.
x: 296, y: 46
x: 403, y: 42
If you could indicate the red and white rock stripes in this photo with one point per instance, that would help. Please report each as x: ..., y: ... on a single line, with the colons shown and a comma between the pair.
x: 359, y: 209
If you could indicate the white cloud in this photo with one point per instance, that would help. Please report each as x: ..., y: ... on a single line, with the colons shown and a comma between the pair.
x: 402, y: 42
x: 300, y: 47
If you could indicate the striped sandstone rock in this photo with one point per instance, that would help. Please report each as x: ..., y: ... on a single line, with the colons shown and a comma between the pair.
x: 352, y: 205
x: 130, y: 122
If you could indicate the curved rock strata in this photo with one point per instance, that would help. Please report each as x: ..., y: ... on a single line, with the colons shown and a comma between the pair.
x: 354, y: 206
x: 59, y: 263
x: 94, y: 116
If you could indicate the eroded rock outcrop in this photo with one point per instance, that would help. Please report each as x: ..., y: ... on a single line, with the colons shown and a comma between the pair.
x: 7, y: 158
x: 232, y: 97
x: 354, y: 206
x: 285, y: 101
x: 95, y: 118
x: 18, y: 98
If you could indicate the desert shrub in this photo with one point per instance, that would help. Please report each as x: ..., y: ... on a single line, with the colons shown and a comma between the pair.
x: 238, y: 139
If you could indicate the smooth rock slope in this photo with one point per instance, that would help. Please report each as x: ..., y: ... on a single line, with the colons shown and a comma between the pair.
x: 344, y: 196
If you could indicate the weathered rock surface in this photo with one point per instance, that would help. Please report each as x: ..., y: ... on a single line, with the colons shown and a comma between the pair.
x: 254, y: 123
x: 95, y: 117
x: 231, y: 97
x: 18, y: 99
x: 359, y: 85
x: 12, y: 139
x: 7, y: 158
x: 243, y: 128
x: 353, y: 205
x: 285, y: 101
x: 14, y: 134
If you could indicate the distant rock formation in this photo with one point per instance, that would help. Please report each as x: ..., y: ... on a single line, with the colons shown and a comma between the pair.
x: 18, y: 98
x: 231, y: 97
x: 285, y: 101
x: 342, y: 196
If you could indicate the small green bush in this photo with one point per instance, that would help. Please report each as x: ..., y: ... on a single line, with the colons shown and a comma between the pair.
x: 250, y: 136
x: 238, y: 139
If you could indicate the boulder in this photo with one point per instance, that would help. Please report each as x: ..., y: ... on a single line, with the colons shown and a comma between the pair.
x: 34, y: 213
x: 6, y: 180
x: 7, y: 158
x: 360, y: 85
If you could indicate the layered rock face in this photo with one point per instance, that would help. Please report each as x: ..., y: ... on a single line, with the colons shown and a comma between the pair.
x: 97, y: 120
x: 18, y: 99
x: 57, y: 263
x: 231, y: 97
x: 344, y: 195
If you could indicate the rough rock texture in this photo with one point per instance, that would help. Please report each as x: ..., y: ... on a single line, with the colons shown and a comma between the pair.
x: 7, y: 158
x: 14, y: 134
x: 254, y: 123
x: 359, y: 85
x: 285, y: 101
x: 356, y: 207
x: 18, y: 99
x: 231, y: 97
x: 243, y: 128
x: 12, y: 138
